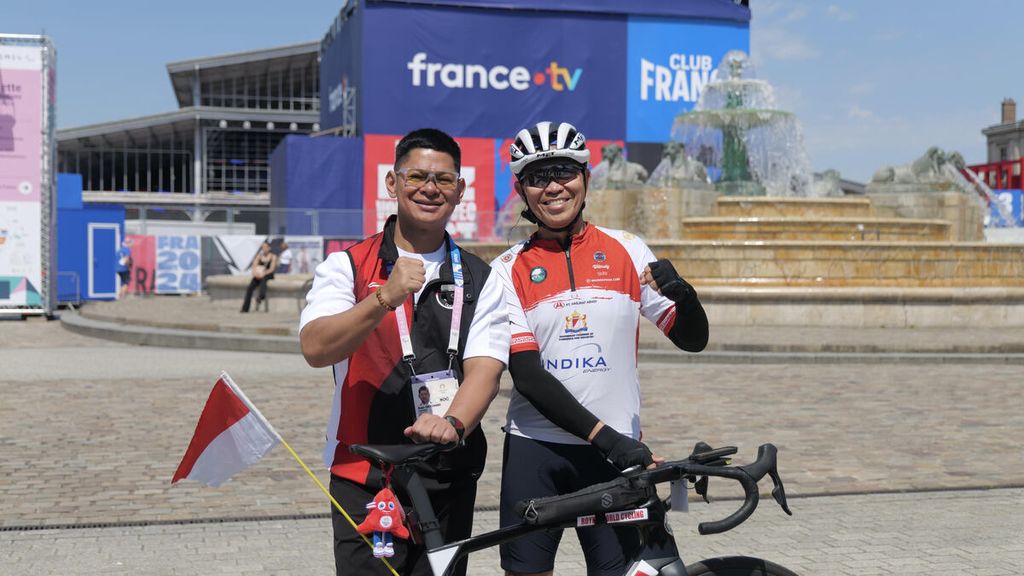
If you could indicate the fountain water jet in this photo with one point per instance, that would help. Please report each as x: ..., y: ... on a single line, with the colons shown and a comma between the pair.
x: 750, y: 146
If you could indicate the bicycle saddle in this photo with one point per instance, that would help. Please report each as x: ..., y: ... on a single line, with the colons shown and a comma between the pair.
x: 396, y: 454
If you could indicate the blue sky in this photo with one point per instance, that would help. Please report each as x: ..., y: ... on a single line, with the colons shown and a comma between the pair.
x: 872, y: 82
x: 878, y: 82
x: 112, y: 55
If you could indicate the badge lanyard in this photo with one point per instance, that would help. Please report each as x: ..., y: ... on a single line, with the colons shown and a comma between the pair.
x: 453, y: 335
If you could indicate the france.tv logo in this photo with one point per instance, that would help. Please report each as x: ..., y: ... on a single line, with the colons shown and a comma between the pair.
x: 498, y: 77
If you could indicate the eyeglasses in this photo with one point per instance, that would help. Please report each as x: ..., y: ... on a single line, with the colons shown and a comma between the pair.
x: 416, y: 178
x: 563, y: 174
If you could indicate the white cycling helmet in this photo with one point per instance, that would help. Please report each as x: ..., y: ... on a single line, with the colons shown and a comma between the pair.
x: 542, y: 142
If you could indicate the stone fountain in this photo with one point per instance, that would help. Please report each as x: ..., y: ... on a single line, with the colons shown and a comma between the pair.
x: 733, y: 204
x: 736, y: 129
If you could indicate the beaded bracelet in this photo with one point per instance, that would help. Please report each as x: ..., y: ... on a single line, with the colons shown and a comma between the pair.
x: 383, y: 304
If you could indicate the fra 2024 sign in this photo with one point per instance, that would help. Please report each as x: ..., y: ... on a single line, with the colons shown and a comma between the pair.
x: 178, y: 263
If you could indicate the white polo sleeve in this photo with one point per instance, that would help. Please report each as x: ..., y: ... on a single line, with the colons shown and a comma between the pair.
x: 658, y: 309
x: 332, y: 291
x: 489, y: 333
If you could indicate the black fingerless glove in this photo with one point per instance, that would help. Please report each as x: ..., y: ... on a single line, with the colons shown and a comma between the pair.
x: 621, y: 450
x: 672, y: 285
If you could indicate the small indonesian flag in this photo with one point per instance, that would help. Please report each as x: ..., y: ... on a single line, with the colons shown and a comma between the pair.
x: 231, y: 436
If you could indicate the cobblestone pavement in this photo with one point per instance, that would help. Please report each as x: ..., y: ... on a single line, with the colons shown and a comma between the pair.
x: 91, y: 432
x: 200, y: 313
x: 976, y: 533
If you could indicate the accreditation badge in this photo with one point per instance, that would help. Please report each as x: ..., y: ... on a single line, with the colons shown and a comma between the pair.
x: 433, y: 393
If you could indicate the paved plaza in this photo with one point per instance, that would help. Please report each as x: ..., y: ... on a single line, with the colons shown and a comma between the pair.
x: 907, y: 468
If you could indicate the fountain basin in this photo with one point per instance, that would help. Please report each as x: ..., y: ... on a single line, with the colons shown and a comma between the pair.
x: 828, y: 229
x: 963, y: 211
x: 775, y: 207
x: 804, y: 264
x: 864, y: 307
x: 869, y: 284
x: 846, y: 264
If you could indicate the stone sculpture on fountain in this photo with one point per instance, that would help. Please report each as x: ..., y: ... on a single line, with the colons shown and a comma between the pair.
x: 614, y: 192
x: 924, y: 174
x: 677, y: 169
x: 931, y: 187
x: 678, y: 187
x: 615, y: 172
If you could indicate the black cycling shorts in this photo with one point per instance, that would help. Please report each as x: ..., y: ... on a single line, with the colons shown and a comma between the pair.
x: 533, y: 469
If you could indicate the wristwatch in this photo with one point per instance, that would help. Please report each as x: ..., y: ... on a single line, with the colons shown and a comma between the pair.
x: 460, y: 428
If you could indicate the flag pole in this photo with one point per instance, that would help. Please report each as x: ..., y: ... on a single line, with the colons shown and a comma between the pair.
x: 320, y: 484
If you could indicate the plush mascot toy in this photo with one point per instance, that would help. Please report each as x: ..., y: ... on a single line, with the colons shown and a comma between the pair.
x: 386, y: 517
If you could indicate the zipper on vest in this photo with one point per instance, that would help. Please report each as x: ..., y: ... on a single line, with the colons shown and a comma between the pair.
x: 568, y: 262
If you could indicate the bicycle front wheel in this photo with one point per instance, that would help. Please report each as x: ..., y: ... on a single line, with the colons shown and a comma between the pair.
x: 737, y: 566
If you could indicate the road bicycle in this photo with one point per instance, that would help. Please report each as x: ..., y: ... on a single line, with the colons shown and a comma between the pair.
x: 630, y: 499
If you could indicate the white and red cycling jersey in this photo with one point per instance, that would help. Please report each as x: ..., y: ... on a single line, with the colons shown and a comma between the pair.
x: 581, y: 308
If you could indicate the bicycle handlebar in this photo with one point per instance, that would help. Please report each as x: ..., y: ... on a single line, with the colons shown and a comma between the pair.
x: 750, y: 500
x: 633, y: 487
x: 748, y: 476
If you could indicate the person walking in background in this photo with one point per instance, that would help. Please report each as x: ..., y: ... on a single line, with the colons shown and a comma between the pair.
x: 284, y: 259
x: 124, y: 269
x: 576, y: 294
x: 403, y: 309
x: 263, y: 268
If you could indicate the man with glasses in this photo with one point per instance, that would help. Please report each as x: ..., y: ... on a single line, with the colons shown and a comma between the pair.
x: 402, y: 310
x: 576, y: 293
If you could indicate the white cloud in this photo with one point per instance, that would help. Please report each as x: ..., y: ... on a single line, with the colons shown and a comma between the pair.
x: 856, y: 111
x: 837, y: 13
x: 795, y: 15
x: 858, y: 146
x: 779, y: 44
x: 866, y: 87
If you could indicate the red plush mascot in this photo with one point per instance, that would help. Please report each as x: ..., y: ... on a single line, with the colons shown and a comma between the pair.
x: 386, y: 517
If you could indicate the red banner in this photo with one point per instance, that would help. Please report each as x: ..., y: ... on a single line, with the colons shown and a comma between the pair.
x: 473, y: 217
x: 143, y: 272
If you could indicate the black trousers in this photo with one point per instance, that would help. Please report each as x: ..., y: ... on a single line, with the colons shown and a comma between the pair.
x: 260, y: 283
x: 454, y: 510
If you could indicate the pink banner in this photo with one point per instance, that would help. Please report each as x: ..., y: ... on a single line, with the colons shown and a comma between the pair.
x: 21, y: 123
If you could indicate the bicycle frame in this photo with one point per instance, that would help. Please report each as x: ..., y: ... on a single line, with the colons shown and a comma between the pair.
x: 631, y: 499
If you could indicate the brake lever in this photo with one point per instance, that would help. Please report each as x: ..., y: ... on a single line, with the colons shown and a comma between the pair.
x: 701, y: 487
x: 778, y: 491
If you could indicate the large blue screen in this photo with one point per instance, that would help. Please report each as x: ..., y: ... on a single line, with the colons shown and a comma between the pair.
x: 669, y: 63
x: 487, y: 73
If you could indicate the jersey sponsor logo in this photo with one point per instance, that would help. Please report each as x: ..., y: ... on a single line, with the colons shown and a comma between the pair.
x: 525, y: 338
x: 586, y: 363
x: 667, y: 319
x: 538, y: 275
x: 506, y: 258
x: 575, y: 327
x: 584, y: 359
x: 600, y: 266
x: 575, y: 322
x: 600, y: 256
x: 559, y: 304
